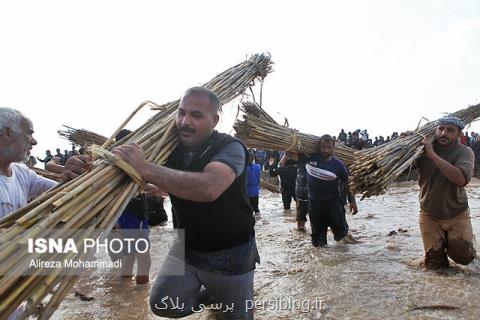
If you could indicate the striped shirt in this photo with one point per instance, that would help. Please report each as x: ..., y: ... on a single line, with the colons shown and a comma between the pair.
x: 23, y: 185
x: 323, y: 177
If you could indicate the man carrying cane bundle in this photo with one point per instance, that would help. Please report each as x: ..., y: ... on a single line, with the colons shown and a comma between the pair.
x: 445, y: 169
x: 206, y: 179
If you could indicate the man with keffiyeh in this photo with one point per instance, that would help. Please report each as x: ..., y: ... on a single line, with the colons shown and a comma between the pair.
x: 445, y: 169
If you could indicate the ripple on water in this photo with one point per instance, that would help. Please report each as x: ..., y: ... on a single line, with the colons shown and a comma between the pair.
x: 381, y: 277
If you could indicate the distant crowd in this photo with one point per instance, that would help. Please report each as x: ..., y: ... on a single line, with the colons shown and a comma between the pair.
x: 360, y: 139
x: 58, y: 158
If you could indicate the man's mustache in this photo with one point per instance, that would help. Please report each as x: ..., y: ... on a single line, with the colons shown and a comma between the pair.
x: 187, y: 129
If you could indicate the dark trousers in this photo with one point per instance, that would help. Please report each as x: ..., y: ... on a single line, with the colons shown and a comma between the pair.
x: 287, y: 196
x: 324, y: 214
x: 254, y: 203
x: 177, y: 296
x: 302, y: 210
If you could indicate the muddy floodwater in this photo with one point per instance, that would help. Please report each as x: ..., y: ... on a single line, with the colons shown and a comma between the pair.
x: 380, y: 277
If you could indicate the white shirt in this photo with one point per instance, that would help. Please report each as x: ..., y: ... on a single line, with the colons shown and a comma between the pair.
x: 23, y: 185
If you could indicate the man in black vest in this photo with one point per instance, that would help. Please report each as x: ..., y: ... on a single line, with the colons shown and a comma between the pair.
x: 206, y: 179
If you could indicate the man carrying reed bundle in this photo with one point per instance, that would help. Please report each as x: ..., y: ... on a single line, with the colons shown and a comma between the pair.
x: 205, y: 177
x: 445, y: 169
x: 326, y: 178
x: 18, y: 183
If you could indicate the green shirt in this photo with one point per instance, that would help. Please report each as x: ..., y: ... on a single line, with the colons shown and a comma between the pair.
x: 440, y: 197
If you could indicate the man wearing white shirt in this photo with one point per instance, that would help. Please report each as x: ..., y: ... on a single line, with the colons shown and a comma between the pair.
x: 18, y: 183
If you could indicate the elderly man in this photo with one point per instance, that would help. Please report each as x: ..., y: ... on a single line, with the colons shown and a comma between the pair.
x: 445, y: 169
x: 206, y: 179
x: 18, y: 183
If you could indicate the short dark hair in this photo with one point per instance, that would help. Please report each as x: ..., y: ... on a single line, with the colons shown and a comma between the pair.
x: 251, y: 157
x: 214, y: 101
x: 326, y: 138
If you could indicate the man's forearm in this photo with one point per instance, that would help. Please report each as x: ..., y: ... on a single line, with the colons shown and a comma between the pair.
x: 54, y: 167
x: 350, y: 196
x: 452, y: 173
x: 186, y: 185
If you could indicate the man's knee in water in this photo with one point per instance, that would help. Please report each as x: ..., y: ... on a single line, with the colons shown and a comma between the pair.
x: 461, y: 251
x: 436, y: 259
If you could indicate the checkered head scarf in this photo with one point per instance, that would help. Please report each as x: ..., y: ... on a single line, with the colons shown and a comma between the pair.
x: 451, y: 120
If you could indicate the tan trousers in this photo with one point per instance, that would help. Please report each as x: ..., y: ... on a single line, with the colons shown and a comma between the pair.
x: 447, y: 237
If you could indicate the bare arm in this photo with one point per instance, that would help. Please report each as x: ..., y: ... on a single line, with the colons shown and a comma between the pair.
x: 452, y: 173
x: 54, y: 167
x: 205, y: 186
x: 74, y: 167
x: 351, y: 200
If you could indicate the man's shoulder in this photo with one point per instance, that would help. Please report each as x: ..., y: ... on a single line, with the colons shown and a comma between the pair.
x: 22, y: 172
x: 20, y: 168
x: 225, y: 140
x: 462, y: 150
x: 337, y: 161
x: 232, y: 147
x: 232, y: 153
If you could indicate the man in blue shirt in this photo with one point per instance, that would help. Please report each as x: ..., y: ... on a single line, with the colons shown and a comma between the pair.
x: 327, y: 177
x: 253, y: 182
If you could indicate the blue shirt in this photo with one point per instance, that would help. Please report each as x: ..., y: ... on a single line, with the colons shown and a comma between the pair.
x: 253, y: 180
x: 323, y: 177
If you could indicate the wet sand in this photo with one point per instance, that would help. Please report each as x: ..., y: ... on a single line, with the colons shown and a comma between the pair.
x: 381, y: 276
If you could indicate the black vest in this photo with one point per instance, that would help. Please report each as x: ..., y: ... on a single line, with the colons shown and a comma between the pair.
x: 224, y: 223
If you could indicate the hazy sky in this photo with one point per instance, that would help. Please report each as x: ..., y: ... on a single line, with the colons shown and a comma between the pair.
x: 379, y: 65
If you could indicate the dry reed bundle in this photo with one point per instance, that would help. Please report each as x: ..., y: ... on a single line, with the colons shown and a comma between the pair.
x: 252, y: 108
x: 374, y: 169
x: 92, y: 201
x: 82, y: 137
x: 258, y: 132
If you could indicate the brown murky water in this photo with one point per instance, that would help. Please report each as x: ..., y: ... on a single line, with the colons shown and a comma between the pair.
x: 379, y: 277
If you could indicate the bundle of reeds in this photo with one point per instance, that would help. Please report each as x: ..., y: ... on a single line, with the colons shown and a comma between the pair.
x: 93, y: 201
x: 374, y: 169
x: 81, y: 137
x: 262, y: 133
x: 252, y: 108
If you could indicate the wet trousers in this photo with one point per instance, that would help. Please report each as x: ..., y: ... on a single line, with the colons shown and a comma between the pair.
x: 287, y: 196
x: 443, y: 238
x: 254, y: 204
x: 302, y: 210
x: 177, y: 296
x: 324, y: 214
